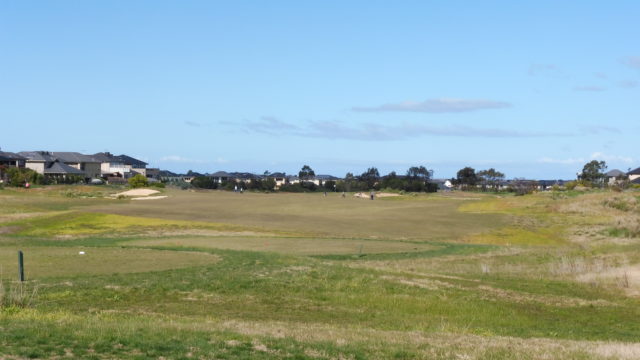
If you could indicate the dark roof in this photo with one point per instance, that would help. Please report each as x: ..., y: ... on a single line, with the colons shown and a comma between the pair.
x: 128, y: 160
x: 634, y: 172
x: 636, y: 181
x: 277, y: 175
x: 326, y: 177
x: 614, y: 173
x: 243, y: 175
x: 9, y: 156
x: 105, y: 157
x: 44, y: 156
x: 74, y: 157
x: 220, y: 174
x: 58, y: 167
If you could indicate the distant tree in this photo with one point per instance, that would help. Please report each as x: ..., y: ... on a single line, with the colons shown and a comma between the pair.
x: 419, y: 173
x: 370, y: 177
x: 593, y: 172
x: 138, y: 181
x: 490, y: 178
x: 306, y: 173
x: 467, y: 177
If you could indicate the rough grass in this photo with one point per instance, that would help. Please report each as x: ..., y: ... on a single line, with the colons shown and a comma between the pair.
x: 455, y: 276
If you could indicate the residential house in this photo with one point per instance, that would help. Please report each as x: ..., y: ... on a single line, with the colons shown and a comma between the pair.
x: 9, y: 159
x: 86, y: 163
x: 634, y: 174
x: 120, y: 166
x: 220, y: 177
x: 279, y: 177
x: 614, y: 176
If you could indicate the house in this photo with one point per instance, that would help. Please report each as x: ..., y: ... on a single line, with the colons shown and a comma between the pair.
x: 58, y: 164
x: 549, y: 184
x: 279, y: 177
x: 634, y: 174
x: 134, y: 165
x: 9, y: 159
x: 220, y: 177
x: 120, y: 166
x: 613, y: 176
x: 57, y: 171
x: 86, y: 163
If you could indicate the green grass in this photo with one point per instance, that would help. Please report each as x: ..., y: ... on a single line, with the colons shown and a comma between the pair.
x: 301, y: 276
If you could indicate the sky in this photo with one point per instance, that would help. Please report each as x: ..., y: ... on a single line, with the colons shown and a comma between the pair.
x: 532, y: 89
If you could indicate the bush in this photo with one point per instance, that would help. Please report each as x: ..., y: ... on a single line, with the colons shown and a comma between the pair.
x: 18, y: 177
x: 157, y: 184
x: 138, y: 181
x: 204, y: 182
x: 16, y: 295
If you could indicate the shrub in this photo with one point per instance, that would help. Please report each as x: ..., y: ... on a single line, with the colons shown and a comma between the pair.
x: 138, y: 181
x: 157, y: 184
x: 17, y: 295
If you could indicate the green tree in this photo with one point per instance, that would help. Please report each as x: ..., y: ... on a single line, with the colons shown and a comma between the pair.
x: 490, y: 178
x: 306, y: 173
x: 466, y: 177
x: 138, y: 181
x: 593, y: 172
x: 370, y: 177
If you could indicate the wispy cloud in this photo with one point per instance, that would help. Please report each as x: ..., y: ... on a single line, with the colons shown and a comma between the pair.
x: 628, y: 84
x: 192, y: 123
x: 632, y: 61
x: 179, y: 159
x: 599, y: 129
x: 443, y: 105
x: 546, y: 70
x: 583, y: 160
x: 589, y: 88
x: 376, y: 132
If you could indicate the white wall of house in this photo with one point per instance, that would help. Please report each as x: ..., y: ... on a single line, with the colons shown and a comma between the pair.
x: 37, y: 166
x: 633, y: 177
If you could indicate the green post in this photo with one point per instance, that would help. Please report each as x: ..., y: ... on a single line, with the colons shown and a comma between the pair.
x: 21, y: 265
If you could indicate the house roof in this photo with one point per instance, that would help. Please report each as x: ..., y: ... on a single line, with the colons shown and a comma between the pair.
x: 277, y: 175
x: 9, y: 156
x: 634, y: 172
x: 220, y: 174
x: 326, y: 177
x: 128, y: 160
x: 74, y: 157
x: 43, y: 156
x: 58, y: 167
x: 105, y: 157
x: 614, y: 173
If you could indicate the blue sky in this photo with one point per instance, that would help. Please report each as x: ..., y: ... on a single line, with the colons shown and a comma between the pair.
x: 532, y: 89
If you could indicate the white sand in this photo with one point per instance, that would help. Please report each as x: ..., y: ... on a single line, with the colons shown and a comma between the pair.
x: 138, y: 192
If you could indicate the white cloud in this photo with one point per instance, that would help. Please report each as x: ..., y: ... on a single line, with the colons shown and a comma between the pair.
x: 442, y: 105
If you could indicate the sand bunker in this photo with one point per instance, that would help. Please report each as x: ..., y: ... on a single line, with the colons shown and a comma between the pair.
x: 363, y: 195
x: 150, y: 197
x: 137, y: 192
